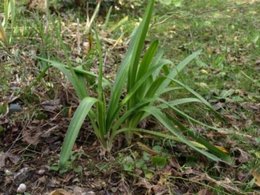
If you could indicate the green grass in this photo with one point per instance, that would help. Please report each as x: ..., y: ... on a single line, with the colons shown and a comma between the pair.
x: 227, y: 33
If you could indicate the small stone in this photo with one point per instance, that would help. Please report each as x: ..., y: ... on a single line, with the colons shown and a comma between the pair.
x: 15, y: 108
x: 8, y: 172
x: 21, y: 188
x: 90, y: 193
x: 257, y: 62
x: 41, y: 171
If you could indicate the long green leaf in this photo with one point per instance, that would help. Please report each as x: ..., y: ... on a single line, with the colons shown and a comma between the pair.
x: 213, y: 149
x: 140, y: 82
x: 78, y: 84
x: 132, y: 111
x: 177, y: 70
x: 74, y: 127
x: 101, y: 107
x: 138, y: 47
x: 132, y: 53
x: 174, y: 103
x: 164, y: 120
x: 146, y: 64
x: 156, y: 134
x: 179, y: 102
x: 153, y: 89
x: 117, y: 88
x: 78, y: 70
x: 147, y: 59
x: 199, y: 97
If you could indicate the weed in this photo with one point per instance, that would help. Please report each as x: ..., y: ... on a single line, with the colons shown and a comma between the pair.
x: 146, y: 79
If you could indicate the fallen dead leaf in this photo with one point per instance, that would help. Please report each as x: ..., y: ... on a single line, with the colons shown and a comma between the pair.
x: 256, y: 176
x: 13, y: 158
x: 145, y: 184
x: 70, y: 112
x: 39, y: 5
x: 31, y: 136
x: 6, y: 155
x: 51, y: 105
x: 205, y: 192
x: 147, y: 149
x: 226, y: 183
x: 60, y: 192
x: 240, y: 155
x: 78, y: 190
x: 2, y: 35
x: 2, y: 159
x: 175, y: 164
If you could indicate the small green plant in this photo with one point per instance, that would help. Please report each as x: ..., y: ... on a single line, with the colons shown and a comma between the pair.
x: 9, y: 17
x: 135, y: 94
x: 70, y: 165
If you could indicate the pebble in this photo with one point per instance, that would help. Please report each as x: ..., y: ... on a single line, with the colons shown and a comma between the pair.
x: 41, y: 171
x: 8, y: 172
x: 21, y: 188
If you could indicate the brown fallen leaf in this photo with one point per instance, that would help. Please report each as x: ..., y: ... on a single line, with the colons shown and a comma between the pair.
x: 240, y: 155
x: 147, y: 149
x: 256, y: 176
x: 205, y: 192
x: 6, y: 155
x: 31, y: 135
x: 2, y: 159
x: 60, y: 192
x: 70, y: 112
x: 226, y: 184
x: 3, y: 37
x: 145, y: 184
x: 51, y: 105
x: 38, y: 5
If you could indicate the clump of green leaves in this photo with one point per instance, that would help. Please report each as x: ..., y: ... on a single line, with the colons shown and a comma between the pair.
x: 136, y: 94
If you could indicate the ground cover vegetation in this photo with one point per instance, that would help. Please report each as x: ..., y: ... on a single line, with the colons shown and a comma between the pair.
x: 149, y: 99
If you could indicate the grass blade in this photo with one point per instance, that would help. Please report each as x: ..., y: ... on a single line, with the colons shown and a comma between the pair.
x: 147, y: 59
x: 136, y: 45
x: 156, y: 134
x: 174, y: 103
x: 213, y: 149
x: 78, y: 84
x: 199, y: 97
x: 165, y: 121
x: 179, y: 102
x: 139, y: 83
x: 74, y: 127
x: 101, y: 106
x: 177, y: 70
x: 133, y: 111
